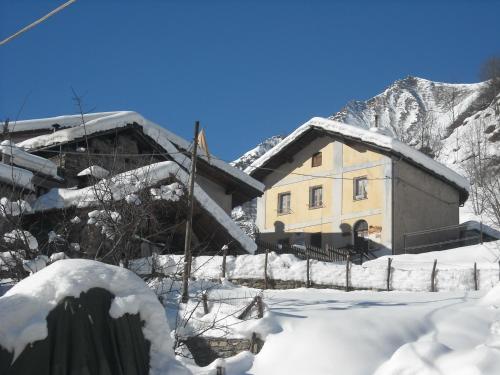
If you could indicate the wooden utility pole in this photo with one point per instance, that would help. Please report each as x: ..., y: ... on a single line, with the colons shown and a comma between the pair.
x: 189, y: 222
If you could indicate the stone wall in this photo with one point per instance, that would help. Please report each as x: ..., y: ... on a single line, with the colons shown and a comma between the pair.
x: 207, y: 349
x: 288, y: 284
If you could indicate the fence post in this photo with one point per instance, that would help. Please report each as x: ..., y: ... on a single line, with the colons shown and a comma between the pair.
x: 260, y: 307
x: 347, y: 267
x: 404, y: 243
x: 205, y: 302
x: 265, y: 269
x: 389, y: 261
x: 253, y: 343
x: 433, y: 275
x: 475, y: 276
x: 224, y: 255
x: 308, y: 281
x: 481, y: 232
x: 220, y: 370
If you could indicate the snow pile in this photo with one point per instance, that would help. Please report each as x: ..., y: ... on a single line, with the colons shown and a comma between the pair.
x: 121, y: 185
x: 22, y: 236
x: 14, y: 208
x: 106, y: 220
x: 24, y: 308
x: 58, y: 256
x: 437, y: 352
x: 172, y: 192
x: 29, y: 161
x: 35, y: 265
x: 133, y: 199
x: 10, y: 259
x: 222, y: 319
x: 76, y: 220
x: 94, y: 171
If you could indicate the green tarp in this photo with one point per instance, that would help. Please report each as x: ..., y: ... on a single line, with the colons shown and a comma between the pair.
x: 83, y: 339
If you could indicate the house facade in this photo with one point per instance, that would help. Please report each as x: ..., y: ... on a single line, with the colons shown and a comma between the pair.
x: 334, y: 184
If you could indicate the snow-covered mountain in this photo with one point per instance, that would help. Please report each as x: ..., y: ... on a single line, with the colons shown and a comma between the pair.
x: 431, y: 116
x: 250, y: 156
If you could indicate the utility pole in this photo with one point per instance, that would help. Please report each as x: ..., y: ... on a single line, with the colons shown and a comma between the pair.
x: 189, y: 222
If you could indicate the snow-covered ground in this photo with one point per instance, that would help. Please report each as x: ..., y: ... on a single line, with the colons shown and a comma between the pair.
x: 333, y: 332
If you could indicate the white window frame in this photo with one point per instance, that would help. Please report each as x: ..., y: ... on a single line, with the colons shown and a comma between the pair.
x: 355, y: 195
x: 281, y: 209
x: 312, y: 189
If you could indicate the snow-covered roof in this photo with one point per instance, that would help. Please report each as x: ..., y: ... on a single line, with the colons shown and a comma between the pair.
x: 120, y: 186
x: 169, y: 141
x: 367, y: 136
x: 67, y: 121
x: 16, y: 176
x: 94, y: 171
x: 29, y: 161
x: 25, y: 307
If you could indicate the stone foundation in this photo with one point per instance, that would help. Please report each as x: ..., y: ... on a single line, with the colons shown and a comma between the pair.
x: 207, y: 349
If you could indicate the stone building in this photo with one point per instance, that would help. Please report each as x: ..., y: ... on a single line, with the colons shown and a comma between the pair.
x: 124, y: 154
x: 330, y: 183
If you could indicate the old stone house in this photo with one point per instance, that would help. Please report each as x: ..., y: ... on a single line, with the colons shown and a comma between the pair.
x: 330, y: 183
x: 124, y: 154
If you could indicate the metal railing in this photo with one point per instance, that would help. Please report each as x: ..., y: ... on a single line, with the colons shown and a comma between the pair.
x: 328, y: 254
x: 443, y: 238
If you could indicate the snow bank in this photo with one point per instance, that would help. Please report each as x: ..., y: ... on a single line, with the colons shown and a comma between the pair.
x: 367, y: 136
x: 466, y: 342
x: 406, y: 275
x: 24, y: 308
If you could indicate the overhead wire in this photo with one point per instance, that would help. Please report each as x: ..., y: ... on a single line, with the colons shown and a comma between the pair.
x: 185, y: 153
x: 38, y: 21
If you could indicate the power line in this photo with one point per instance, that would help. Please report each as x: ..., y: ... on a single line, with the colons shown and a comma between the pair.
x: 185, y: 153
x: 40, y: 20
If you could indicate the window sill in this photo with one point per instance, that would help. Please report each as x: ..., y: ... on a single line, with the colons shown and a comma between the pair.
x: 359, y: 198
x: 284, y: 213
x: 315, y: 207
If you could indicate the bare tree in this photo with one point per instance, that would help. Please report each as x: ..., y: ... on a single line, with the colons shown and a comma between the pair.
x: 429, y: 135
x: 490, y: 72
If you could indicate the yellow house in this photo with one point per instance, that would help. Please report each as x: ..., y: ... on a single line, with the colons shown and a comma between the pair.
x: 334, y: 184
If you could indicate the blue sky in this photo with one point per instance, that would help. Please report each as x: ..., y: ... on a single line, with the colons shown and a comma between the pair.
x: 246, y: 69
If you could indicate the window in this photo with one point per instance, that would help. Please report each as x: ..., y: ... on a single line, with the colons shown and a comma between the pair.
x: 360, y: 188
x: 316, y: 197
x: 317, y: 159
x: 284, y: 203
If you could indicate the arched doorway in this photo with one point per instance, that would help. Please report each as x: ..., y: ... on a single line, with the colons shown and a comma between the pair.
x: 361, y: 236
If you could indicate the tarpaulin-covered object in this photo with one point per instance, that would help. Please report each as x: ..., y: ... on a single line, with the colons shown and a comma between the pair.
x: 80, y: 317
x: 84, y: 340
